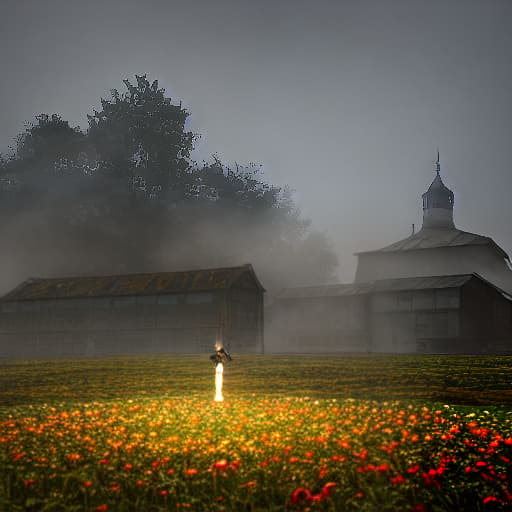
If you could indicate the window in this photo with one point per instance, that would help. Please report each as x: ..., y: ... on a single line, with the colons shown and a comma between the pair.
x: 101, y: 303
x: 384, y: 302
x: 404, y: 301
x: 122, y: 302
x: 64, y: 304
x: 444, y: 324
x: 447, y: 298
x: 169, y: 299
x: 147, y: 299
x: 423, y: 299
x: 199, y: 298
x: 29, y: 306
x: 9, y: 307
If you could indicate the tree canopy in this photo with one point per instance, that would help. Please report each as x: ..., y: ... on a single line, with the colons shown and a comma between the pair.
x: 126, y: 196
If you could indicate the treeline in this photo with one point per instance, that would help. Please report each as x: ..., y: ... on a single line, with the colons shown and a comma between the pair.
x: 126, y: 196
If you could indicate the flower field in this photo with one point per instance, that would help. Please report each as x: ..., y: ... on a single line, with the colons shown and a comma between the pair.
x: 362, y: 433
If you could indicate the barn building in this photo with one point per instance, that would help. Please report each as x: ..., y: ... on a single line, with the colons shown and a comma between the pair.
x: 437, y: 314
x: 438, y: 248
x: 441, y: 290
x: 167, y: 312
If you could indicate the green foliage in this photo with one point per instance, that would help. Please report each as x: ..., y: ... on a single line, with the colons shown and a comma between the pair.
x: 441, y: 379
x: 141, y: 134
x: 48, y: 140
x: 126, y: 197
x: 143, y: 434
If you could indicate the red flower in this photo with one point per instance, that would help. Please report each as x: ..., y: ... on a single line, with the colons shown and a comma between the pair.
x: 326, y: 489
x: 300, y: 494
x: 430, y: 478
x: 221, y: 464
x: 101, y: 508
x: 398, y: 479
x: 322, y: 472
x: 489, y: 498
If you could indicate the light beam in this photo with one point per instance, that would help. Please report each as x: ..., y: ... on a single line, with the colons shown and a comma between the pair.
x: 219, y: 370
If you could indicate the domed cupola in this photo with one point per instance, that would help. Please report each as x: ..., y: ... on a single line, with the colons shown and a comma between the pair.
x: 438, y: 203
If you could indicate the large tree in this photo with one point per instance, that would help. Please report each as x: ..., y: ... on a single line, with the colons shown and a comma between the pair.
x: 140, y: 134
x: 126, y: 197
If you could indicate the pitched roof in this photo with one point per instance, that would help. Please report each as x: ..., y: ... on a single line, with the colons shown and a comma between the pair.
x: 422, y: 283
x: 430, y: 238
x: 332, y: 290
x: 133, y: 284
x: 383, y: 285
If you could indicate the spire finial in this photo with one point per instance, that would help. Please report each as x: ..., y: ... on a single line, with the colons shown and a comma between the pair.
x: 438, y: 165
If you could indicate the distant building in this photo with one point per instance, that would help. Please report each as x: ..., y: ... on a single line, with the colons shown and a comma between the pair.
x: 438, y: 248
x: 440, y: 314
x: 441, y: 290
x: 167, y: 312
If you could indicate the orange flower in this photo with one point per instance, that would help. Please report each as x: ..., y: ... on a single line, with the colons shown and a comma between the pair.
x: 102, y: 508
x: 248, y: 484
x: 221, y: 464
x: 191, y: 471
x: 87, y: 484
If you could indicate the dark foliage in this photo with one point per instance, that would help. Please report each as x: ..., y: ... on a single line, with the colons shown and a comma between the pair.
x: 126, y: 197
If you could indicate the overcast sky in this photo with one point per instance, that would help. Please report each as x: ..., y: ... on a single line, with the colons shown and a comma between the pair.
x: 345, y: 101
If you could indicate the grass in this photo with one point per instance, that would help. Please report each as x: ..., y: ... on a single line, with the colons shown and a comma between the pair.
x: 362, y: 433
x: 470, y: 380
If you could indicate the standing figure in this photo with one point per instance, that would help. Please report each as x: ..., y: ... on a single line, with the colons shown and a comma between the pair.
x: 219, y: 358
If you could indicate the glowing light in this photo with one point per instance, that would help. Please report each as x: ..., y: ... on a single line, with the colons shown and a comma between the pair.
x: 219, y: 370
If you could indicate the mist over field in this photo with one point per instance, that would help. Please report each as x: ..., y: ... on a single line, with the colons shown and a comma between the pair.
x: 345, y: 102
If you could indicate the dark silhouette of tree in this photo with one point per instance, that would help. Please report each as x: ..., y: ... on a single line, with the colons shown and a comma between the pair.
x: 141, y: 135
x: 126, y: 197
